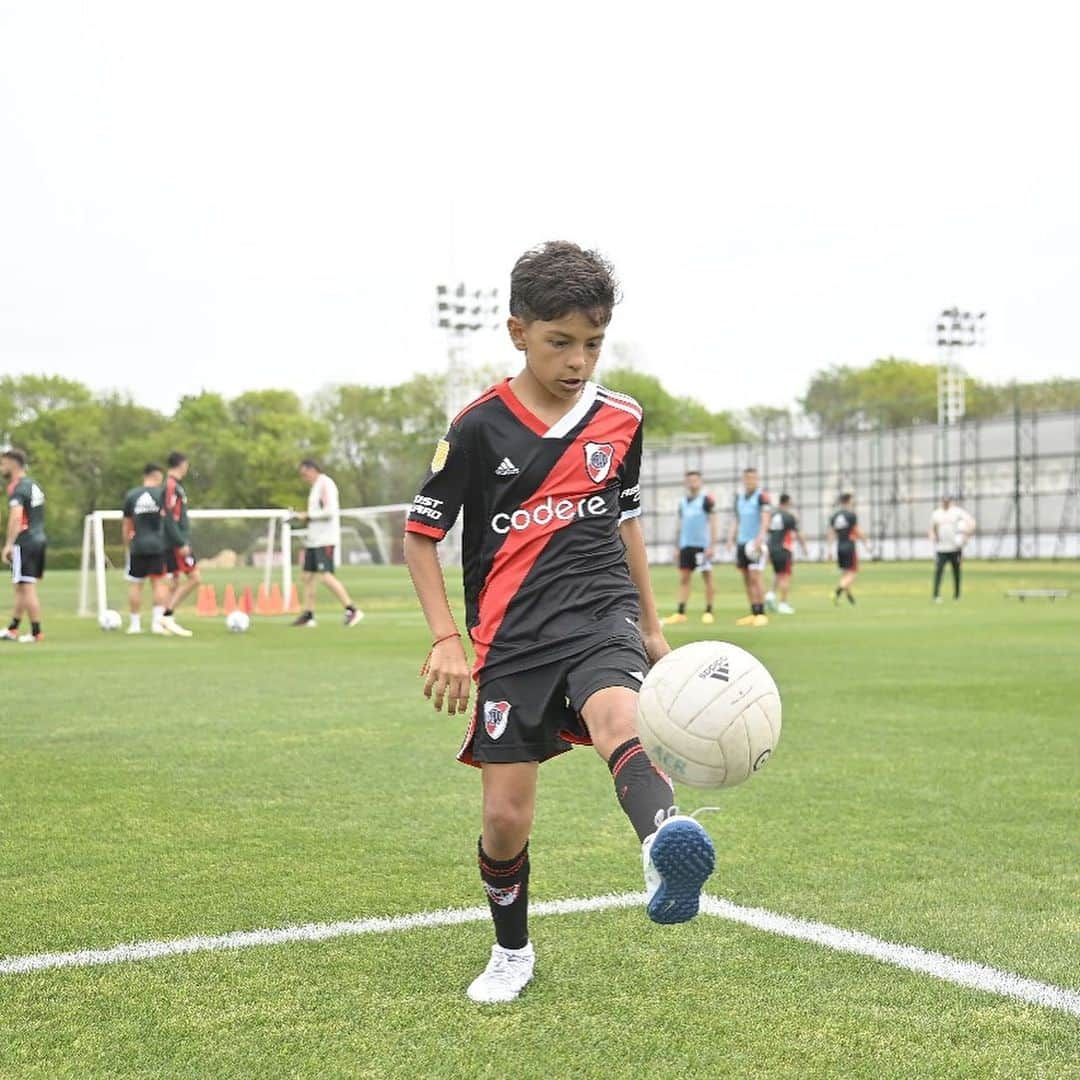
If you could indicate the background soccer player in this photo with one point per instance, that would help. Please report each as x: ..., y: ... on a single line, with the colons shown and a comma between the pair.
x: 323, y: 536
x: 24, y: 545
x: 950, y: 527
x: 748, y: 532
x: 783, y: 532
x: 557, y: 597
x: 695, y: 544
x: 180, y: 561
x: 844, y: 531
x: 144, y: 539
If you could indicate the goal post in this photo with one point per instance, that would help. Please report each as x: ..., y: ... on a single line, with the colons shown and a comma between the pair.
x: 273, y: 539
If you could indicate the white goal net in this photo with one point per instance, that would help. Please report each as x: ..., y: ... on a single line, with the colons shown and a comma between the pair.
x: 262, y: 543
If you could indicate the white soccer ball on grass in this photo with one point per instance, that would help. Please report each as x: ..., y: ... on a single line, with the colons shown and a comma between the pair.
x: 709, y: 714
x: 238, y: 622
x: 110, y: 620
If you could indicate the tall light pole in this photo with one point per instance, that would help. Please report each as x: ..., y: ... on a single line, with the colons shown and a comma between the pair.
x: 460, y: 313
x: 956, y: 331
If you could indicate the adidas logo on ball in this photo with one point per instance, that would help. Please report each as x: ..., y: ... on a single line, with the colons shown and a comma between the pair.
x: 718, y: 669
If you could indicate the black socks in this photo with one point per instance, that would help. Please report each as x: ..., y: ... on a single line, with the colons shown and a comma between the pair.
x: 506, y: 882
x: 645, y: 794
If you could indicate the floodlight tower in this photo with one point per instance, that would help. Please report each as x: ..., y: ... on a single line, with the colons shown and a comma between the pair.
x: 956, y: 330
x: 461, y: 312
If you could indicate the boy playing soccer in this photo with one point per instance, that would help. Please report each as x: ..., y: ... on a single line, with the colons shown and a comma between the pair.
x: 558, y: 603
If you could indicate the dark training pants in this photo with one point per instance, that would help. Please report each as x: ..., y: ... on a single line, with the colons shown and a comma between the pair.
x: 951, y: 558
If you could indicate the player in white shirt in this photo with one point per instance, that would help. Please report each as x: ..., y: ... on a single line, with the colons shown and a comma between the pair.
x: 323, y: 537
x: 950, y: 527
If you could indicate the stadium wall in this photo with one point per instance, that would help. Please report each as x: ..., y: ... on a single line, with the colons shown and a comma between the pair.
x: 1018, y: 475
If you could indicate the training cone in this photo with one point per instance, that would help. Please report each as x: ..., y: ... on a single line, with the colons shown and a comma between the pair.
x: 229, y: 605
x: 200, y: 601
x: 247, y: 602
x: 294, y: 602
x: 262, y: 601
x: 211, y: 601
x: 277, y: 605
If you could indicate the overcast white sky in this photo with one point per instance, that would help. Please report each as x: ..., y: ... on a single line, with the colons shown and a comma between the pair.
x: 234, y: 195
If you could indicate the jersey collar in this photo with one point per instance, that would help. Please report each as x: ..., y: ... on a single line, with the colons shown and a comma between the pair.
x: 563, y: 426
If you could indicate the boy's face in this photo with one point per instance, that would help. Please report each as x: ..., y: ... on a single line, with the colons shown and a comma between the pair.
x: 750, y: 482
x: 561, y: 355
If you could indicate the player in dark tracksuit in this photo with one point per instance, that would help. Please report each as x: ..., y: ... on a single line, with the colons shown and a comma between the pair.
x: 544, y: 468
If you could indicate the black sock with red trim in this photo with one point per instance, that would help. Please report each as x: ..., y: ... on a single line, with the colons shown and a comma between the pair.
x: 14, y: 624
x: 506, y: 882
x: 644, y: 792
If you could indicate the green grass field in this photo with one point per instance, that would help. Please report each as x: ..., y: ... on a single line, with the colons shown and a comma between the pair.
x: 925, y: 791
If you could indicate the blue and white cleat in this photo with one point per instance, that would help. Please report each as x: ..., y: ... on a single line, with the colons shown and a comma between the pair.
x: 678, y: 859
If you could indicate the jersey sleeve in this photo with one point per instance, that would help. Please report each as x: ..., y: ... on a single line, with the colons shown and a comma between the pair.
x: 437, y: 504
x: 708, y: 505
x: 129, y: 506
x: 630, y: 479
x: 763, y: 501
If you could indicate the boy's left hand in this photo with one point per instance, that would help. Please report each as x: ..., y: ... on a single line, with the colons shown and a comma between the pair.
x: 656, y: 645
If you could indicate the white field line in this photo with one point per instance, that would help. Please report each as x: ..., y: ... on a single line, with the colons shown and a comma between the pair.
x: 947, y: 968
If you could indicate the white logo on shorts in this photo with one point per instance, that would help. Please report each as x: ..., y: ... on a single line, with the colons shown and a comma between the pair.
x: 496, y: 716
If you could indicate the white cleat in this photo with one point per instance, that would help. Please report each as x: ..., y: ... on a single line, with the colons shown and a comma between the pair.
x: 508, y: 972
x: 173, y: 627
x: 158, y: 627
x: 770, y: 601
x: 134, y: 630
x: 784, y: 608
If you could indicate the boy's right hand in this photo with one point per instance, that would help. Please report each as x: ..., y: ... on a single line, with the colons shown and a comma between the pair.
x: 447, y: 677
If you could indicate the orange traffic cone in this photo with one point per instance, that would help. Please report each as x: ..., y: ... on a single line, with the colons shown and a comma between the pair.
x: 294, y: 602
x: 262, y: 601
x: 277, y: 605
x: 200, y: 601
x: 210, y: 601
x: 247, y: 604
x: 229, y: 604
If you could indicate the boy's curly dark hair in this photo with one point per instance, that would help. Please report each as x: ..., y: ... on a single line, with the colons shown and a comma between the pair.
x: 557, y: 278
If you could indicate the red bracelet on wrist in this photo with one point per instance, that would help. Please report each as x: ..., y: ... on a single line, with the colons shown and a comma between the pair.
x: 437, y: 641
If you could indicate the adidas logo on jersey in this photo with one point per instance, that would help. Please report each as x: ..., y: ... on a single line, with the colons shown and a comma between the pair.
x: 506, y: 468
x: 147, y: 504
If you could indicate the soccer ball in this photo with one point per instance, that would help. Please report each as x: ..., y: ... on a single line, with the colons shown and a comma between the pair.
x: 238, y: 622
x: 753, y: 550
x: 709, y: 714
x: 110, y: 620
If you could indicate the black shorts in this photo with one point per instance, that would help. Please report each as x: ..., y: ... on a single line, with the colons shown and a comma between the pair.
x: 782, y: 560
x: 141, y: 567
x: 693, y: 558
x: 319, y: 560
x: 744, y: 562
x: 27, y: 562
x: 175, y: 563
x: 847, y: 558
x: 534, y: 714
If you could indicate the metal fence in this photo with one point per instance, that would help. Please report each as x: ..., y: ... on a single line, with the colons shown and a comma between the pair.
x: 1018, y: 475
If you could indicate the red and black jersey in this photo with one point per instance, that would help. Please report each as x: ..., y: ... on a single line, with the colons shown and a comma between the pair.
x: 544, y: 563
x: 783, y: 527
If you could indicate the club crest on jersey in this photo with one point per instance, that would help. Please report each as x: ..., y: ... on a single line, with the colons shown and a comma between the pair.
x: 496, y: 716
x: 598, y: 458
x: 502, y: 897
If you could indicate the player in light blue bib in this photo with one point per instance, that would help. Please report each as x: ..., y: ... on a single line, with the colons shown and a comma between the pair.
x: 749, y: 529
x: 694, y: 546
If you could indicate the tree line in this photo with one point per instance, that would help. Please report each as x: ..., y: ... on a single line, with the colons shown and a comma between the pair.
x: 88, y: 448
